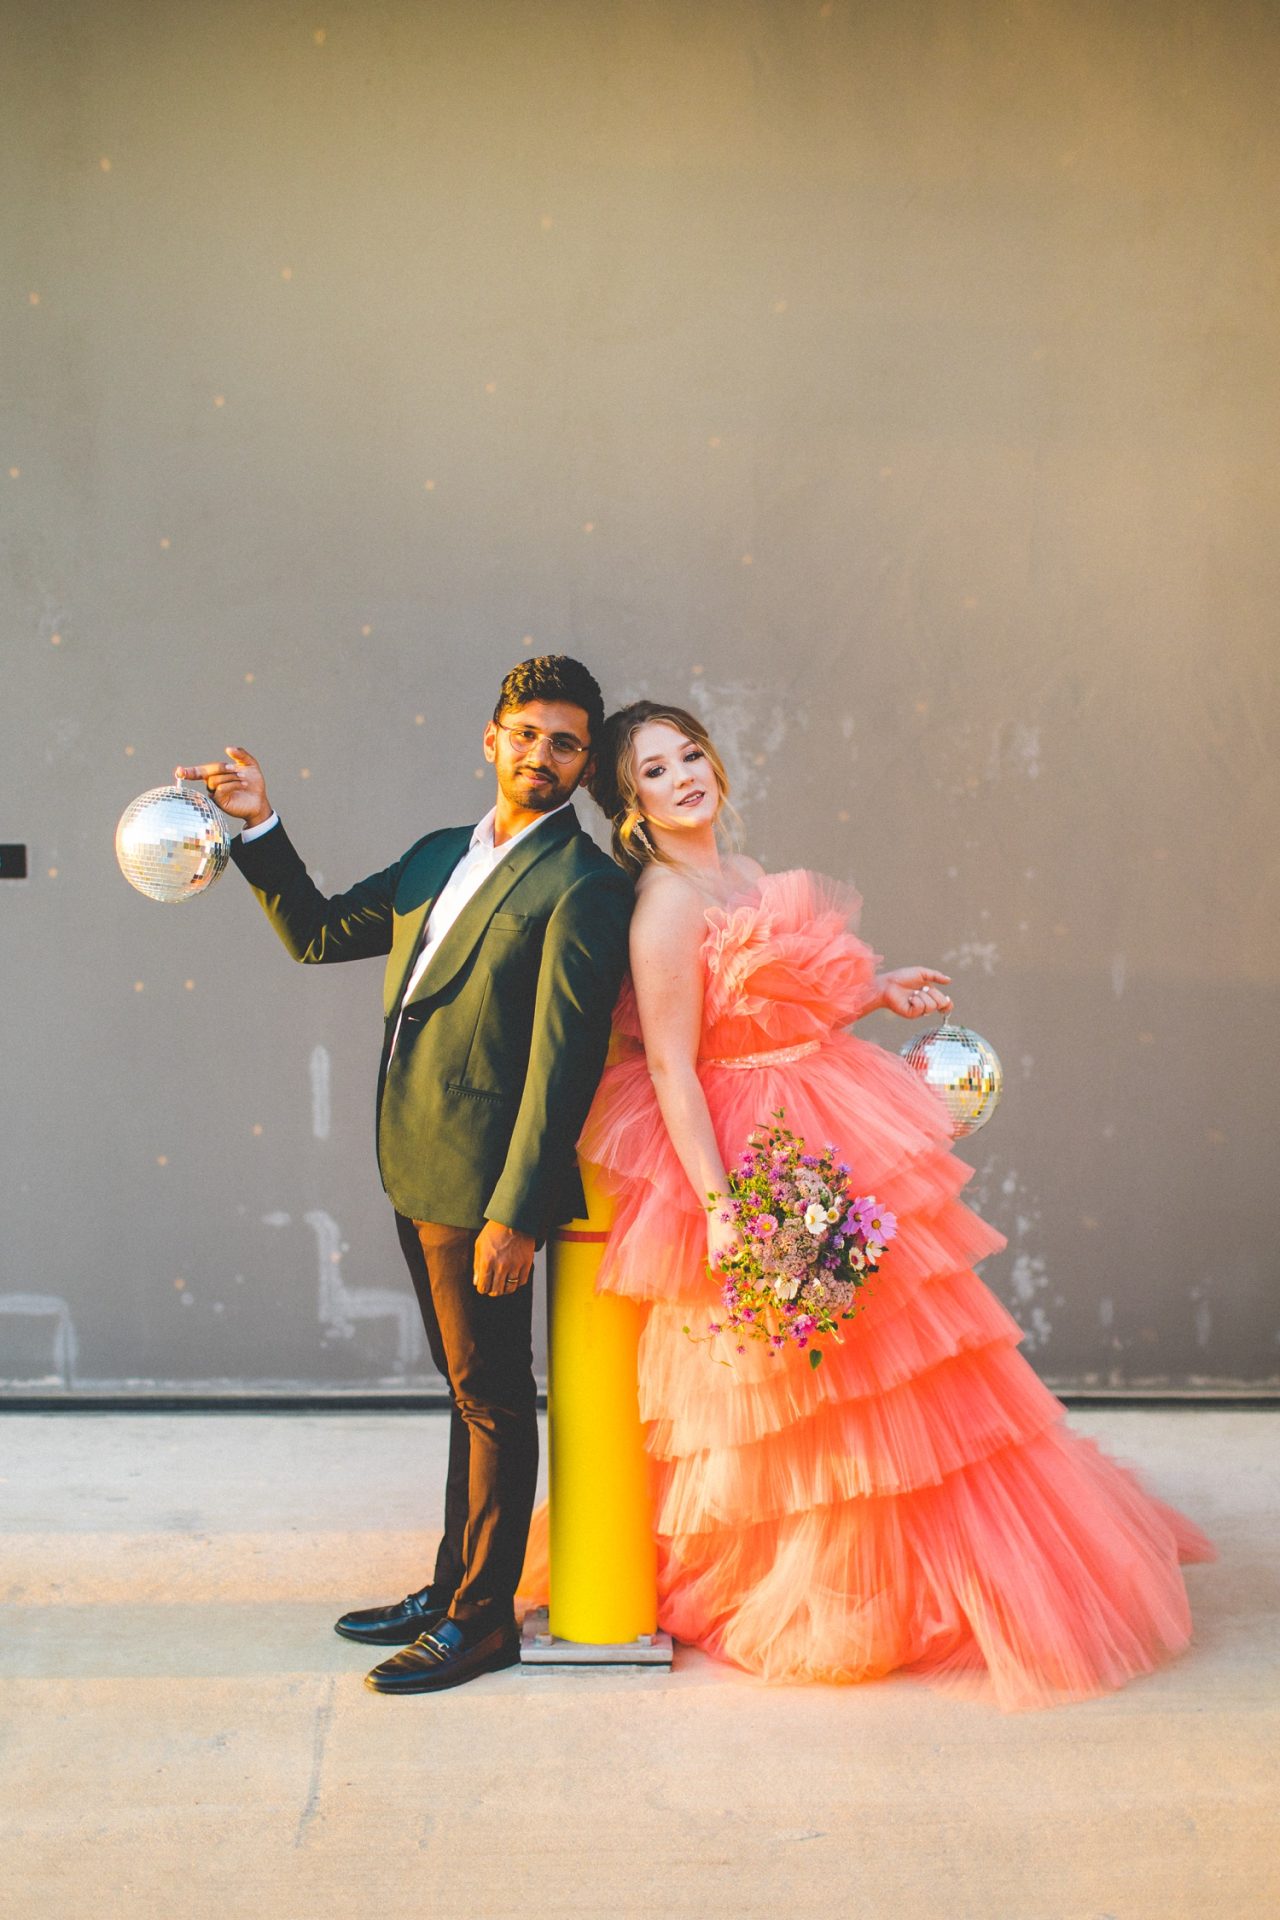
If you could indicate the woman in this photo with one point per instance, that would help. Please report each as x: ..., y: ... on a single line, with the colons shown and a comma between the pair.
x: 916, y: 1502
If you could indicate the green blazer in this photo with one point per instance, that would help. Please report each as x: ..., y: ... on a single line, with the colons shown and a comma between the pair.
x: 502, y: 1044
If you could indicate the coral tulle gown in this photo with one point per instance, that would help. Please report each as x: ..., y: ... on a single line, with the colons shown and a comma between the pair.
x: 916, y: 1502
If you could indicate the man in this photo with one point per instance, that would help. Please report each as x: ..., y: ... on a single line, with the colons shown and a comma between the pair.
x: 506, y: 945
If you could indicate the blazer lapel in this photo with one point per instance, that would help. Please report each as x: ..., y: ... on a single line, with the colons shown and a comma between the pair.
x: 461, y: 939
x: 443, y: 856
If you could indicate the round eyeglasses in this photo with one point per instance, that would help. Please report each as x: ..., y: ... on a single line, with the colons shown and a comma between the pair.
x: 564, y: 748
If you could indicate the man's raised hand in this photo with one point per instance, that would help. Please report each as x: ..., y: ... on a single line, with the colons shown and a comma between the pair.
x: 236, y: 784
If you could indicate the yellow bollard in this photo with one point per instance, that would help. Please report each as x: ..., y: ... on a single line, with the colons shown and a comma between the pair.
x: 603, y: 1561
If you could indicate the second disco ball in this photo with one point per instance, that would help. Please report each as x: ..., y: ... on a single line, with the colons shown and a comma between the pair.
x: 963, y: 1069
x: 172, y: 843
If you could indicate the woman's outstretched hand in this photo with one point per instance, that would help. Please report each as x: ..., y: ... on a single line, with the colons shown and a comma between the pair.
x: 236, y: 784
x: 913, y: 992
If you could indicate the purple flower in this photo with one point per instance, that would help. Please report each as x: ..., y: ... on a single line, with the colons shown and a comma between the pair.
x: 881, y: 1225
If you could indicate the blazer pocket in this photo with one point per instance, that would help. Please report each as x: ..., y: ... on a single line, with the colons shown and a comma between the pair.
x: 479, y: 1078
x: 510, y: 922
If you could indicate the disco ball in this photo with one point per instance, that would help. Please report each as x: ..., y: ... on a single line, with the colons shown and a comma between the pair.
x: 172, y: 843
x: 960, y: 1066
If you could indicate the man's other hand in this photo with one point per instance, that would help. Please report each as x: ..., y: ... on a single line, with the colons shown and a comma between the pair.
x: 503, y: 1259
x: 236, y: 784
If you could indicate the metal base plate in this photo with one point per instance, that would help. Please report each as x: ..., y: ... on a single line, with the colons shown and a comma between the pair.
x: 539, y: 1647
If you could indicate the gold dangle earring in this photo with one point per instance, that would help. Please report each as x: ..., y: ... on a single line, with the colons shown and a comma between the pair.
x: 632, y: 827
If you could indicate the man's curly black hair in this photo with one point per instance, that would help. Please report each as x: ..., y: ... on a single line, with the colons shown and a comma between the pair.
x: 553, y: 676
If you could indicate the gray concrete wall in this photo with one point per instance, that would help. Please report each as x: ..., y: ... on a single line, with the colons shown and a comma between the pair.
x: 896, y: 383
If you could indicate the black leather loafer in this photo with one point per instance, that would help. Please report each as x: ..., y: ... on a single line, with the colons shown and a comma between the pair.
x: 397, y: 1625
x: 442, y: 1658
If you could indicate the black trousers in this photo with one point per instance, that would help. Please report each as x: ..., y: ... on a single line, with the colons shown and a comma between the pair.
x: 483, y: 1345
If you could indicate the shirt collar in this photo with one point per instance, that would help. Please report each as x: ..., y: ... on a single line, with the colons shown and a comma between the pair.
x: 482, y: 834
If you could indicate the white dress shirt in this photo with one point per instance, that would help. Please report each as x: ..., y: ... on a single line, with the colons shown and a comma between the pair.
x: 480, y: 860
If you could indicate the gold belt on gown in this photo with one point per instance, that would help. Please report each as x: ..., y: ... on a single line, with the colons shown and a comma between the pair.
x: 774, y: 1057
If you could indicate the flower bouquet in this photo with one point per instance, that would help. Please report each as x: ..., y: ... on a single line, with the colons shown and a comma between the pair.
x: 806, y: 1244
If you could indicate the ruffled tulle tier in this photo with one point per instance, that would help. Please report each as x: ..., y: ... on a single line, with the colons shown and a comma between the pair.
x: 691, y: 1406
x: 912, y: 1436
x: 1042, y: 1573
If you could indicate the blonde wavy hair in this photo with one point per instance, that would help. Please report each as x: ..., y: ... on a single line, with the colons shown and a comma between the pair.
x: 613, y: 784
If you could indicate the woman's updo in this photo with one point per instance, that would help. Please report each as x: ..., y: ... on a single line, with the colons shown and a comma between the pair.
x: 613, y: 784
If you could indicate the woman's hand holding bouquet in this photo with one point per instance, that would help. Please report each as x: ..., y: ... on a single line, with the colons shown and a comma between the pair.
x: 791, y: 1244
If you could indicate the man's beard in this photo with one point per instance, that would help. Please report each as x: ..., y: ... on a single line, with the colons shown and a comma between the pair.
x: 535, y: 796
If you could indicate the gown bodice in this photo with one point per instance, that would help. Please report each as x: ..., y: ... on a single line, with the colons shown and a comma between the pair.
x: 782, y: 967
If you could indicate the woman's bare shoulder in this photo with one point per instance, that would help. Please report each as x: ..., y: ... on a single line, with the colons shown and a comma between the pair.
x: 670, y: 910
x: 744, y: 870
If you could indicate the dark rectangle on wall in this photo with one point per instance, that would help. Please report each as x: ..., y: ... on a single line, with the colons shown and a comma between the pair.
x: 13, y: 861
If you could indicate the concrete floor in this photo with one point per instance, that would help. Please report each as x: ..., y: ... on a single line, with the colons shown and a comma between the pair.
x: 182, y: 1734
